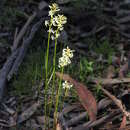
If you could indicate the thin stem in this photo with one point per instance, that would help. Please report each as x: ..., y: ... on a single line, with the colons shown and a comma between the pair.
x: 57, y: 99
x: 46, y: 72
x: 54, y: 68
x: 66, y: 93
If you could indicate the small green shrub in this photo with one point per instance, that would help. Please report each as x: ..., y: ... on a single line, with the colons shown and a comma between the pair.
x: 86, y: 68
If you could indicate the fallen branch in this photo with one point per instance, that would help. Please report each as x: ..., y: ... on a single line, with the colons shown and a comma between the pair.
x: 117, y: 102
x: 65, y: 111
x: 110, y: 117
x: 5, y: 70
x: 25, y: 115
x: 24, y: 48
x: 22, y: 32
x: 16, y: 58
x: 86, y: 126
x: 28, y: 112
x: 105, y: 81
x: 104, y: 103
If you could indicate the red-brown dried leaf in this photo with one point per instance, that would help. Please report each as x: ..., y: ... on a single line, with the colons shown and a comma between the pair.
x: 58, y: 127
x: 87, y: 99
x: 123, y: 123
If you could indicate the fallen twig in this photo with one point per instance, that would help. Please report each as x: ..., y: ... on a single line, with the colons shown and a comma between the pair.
x: 22, y: 31
x: 116, y: 101
x: 105, y: 81
x: 22, y: 117
x: 28, y: 113
x: 5, y: 70
x: 24, y: 48
x: 86, y: 126
x: 65, y: 111
x: 105, y: 102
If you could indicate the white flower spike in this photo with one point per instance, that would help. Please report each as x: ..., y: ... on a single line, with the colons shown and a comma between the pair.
x: 67, y: 85
x: 46, y: 23
x: 60, y: 20
x: 53, y: 9
x: 56, y: 22
x: 67, y: 54
x: 64, y: 61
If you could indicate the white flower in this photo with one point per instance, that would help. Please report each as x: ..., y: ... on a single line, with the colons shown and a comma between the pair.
x: 52, y: 37
x: 68, y: 52
x: 66, y: 85
x: 61, y: 28
x: 64, y: 61
x: 46, y: 23
x: 55, y: 23
x: 53, y: 9
x: 60, y: 20
x: 51, y: 13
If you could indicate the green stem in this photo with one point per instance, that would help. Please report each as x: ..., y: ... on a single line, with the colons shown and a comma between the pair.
x: 53, y: 82
x: 46, y: 72
x: 57, y: 98
x: 66, y: 93
x: 54, y: 68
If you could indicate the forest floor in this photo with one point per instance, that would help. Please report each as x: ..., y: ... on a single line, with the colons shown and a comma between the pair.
x: 99, y: 72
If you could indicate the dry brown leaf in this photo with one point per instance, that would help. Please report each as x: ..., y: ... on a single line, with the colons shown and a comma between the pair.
x: 58, y: 127
x: 87, y: 99
x: 123, y: 123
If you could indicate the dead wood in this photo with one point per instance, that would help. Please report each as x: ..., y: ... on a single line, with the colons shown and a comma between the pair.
x: 24, y: 47
x: 16, y: 58
x: 86, y: 126
x: 117, y: 102
x: 23, y: 31
x: 5, y: 70
x: 28, y: 113
x: 105, y: 81
x: 104, y: 103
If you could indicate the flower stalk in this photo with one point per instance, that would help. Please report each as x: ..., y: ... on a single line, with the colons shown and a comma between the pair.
x: 55, y: 25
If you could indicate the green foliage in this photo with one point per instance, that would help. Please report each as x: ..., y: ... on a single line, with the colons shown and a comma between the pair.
x: 106, y: 50
x: 98, y: 91
x: 85, y: 64
x: 86, y: 68
x: 29, y: 74
x: 82, y: 69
